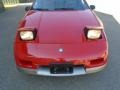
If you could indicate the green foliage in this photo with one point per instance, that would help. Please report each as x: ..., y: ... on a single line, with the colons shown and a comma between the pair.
x: 1, y: 6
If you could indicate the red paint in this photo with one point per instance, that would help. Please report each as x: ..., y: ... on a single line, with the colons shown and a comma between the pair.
x: 61, y: 29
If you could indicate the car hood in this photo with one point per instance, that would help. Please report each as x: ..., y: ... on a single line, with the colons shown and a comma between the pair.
x: 59, y: 27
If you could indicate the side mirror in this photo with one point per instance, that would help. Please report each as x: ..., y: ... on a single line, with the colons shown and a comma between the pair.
x: 27, y: 8
x: 92, y: 7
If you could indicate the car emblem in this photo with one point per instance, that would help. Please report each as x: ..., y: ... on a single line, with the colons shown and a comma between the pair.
x: 61, y: 50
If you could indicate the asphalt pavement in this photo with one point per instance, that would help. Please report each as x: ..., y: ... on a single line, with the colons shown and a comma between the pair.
x: 11, y: 79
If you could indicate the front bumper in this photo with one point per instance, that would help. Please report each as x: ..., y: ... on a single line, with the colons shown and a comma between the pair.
x: 76, y: 71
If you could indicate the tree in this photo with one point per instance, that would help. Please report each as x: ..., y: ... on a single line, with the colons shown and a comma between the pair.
x: 1, y: 6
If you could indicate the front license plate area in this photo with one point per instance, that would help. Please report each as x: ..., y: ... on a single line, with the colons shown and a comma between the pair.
x: 61, y: 68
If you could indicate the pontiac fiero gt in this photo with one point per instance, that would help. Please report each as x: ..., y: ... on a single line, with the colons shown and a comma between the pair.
x: 60, y: 38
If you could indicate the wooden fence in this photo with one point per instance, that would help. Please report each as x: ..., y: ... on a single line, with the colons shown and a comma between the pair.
x: 9, y: 2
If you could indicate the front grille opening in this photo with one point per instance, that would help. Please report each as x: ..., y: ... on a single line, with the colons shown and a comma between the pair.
x: 26, y: 63
x: 97, y: 61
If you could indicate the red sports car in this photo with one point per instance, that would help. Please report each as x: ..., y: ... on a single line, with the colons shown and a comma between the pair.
x: 60, y: 38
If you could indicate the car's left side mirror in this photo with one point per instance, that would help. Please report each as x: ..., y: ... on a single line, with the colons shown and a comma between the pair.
x: 28, y: 8
x: 92, y: 7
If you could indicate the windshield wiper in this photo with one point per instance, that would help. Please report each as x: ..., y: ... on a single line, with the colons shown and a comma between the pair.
x: 42, y: 9
x: 64, y: 9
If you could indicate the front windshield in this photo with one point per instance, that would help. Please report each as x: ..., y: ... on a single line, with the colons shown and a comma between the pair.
x: 60, y: 5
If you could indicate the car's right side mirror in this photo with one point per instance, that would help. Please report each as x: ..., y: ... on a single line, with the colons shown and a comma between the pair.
x: 27, y: 8
x: 92, y: 7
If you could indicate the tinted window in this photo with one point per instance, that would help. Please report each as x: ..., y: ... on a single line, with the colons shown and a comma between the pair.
x: 60, y: 5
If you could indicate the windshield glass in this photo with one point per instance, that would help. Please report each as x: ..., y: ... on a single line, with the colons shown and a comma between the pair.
x: 60, y: 5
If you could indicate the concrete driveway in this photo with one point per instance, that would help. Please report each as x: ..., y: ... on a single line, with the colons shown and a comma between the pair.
x: 11, y: 79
